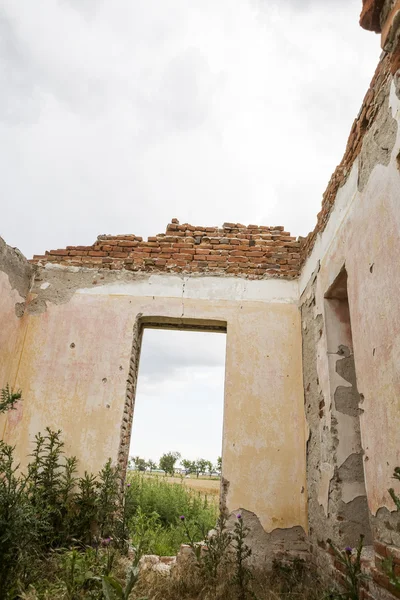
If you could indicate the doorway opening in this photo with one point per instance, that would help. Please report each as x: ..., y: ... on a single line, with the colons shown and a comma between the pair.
x: 171, y: 442
x: 179, y: 399
x: 347, y: 495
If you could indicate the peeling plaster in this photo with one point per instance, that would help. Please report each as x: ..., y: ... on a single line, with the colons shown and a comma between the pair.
x: 63, y: 282
x: 16, y: 267
x: 378, y: 142
x: 325, y: 476
x: 289, y: 543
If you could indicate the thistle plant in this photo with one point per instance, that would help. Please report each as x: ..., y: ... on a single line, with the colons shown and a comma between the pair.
x: 217, y: 546
x: 351, y: 560
x: 191, y: 534
x: 243, y: 575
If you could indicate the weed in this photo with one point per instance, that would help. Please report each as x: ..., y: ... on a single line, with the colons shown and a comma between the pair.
x: 8, y: 399
x: 242, y: 575
x: 217, y: 544
x: 353, y: 574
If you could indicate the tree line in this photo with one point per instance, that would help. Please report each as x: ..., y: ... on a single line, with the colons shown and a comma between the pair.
x: 168, y: 464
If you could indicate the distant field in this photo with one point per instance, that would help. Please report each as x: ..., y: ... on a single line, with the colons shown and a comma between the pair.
x: 210, y: 487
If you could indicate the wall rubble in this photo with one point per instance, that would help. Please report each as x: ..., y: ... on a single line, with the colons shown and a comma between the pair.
x: 253, y: 251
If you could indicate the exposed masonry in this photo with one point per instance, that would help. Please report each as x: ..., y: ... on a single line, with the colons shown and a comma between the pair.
x: 252, y: 251
x: 326, y: 508
x: 130, y: 395
x: 285, y: 544
x: 370, y: 14
x: 335, y: 478
x: 14, y: 264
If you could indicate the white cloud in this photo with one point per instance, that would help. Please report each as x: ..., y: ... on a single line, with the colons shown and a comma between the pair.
x: 180, y: 395
x: 117, y: 116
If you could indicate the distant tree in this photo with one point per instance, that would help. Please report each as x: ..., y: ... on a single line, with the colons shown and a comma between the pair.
x: 219, y: 464
x: 210, y: 467
x: 152, y: 465
x: 167, y: 462
x: 201, y: 466
x: 139, y: 463
x: 188, y: 465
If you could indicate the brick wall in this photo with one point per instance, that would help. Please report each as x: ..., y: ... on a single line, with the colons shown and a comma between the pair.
x: 253, y: 251
x: 376, y: 585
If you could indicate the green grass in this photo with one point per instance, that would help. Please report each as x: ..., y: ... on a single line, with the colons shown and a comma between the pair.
x: 155, y: 506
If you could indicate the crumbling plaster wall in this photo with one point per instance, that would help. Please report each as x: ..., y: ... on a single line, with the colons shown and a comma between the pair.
x: 15, y: 281
x: 362, y: 234
x: 76, y: 361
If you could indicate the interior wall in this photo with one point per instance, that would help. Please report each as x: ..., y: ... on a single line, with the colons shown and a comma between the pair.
x: 15, y: 281
x: 362, y: 234
x: 76, y: 364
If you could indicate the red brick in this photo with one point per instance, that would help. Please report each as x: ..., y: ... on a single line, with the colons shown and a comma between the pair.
x: 380, y: 549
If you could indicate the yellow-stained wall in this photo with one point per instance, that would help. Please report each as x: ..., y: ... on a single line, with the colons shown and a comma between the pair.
x: 70, y: 373
x: 15, y: 280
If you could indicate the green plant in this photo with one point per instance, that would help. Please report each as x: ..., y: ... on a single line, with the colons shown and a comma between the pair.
x: 50, y: 508
x: 217, y: 545
x: 394, y: 496
x: 353, y: 574
x: 388, y: 563
x: 112, y: 588
x: 8, y: 398
x: 169, y: 501
x: 48, y: 485
x: 76, y: 574
x: 108, y: 498
x: 192, y: 530
x: 243, y: 575
x: 144, y: 531
x: 86, y: 504
x: 19, y: 524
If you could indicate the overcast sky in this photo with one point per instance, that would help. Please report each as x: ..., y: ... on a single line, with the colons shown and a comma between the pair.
x: 117, y: 115
x: 180, y: 395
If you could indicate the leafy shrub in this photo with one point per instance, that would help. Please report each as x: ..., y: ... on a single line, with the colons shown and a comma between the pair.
x: 50, y: 508
x: 18, y: 523
x: 8, y: 398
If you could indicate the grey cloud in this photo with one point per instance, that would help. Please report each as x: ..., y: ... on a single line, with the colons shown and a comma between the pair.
x: 165, y: 353
x: 19, y: 101
x: 87, y: 8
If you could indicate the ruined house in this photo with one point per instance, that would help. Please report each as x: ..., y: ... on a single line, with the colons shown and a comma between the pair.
x: 312, y: 392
